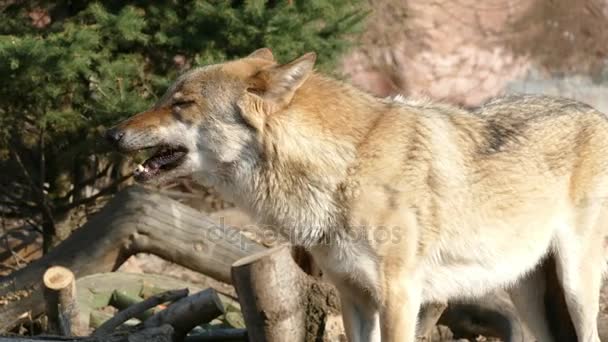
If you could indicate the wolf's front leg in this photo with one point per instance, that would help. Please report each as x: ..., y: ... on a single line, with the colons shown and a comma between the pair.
x: 361, y: 321
x: 399, y: 311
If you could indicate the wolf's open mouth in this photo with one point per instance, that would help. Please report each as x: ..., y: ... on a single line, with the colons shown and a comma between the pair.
x: 164, y: 159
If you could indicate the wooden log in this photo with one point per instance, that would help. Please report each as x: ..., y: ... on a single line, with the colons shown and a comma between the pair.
x: 188, y: 312
x: 163, y: 333
x: 95, y: 292
x: 122, y: 300
x: 270, y: 289
x: 97, y: 318
x: 139, y: 308
x: 60, y: 299
x: 279, y: 301
x: 219, y: 335
x: 137, y: 220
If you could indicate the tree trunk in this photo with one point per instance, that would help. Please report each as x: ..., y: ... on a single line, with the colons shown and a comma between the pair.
x: 60, y: 298
x: 137, y: 220
x: 279, y: 301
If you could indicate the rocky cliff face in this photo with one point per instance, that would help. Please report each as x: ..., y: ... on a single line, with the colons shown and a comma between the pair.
x: 465, y: 51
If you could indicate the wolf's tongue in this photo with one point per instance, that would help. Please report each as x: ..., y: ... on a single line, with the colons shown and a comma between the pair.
x: 163, y: 158
x: 152, y: 164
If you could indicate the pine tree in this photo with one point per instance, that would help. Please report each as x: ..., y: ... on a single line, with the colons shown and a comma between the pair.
x: 71, y: 68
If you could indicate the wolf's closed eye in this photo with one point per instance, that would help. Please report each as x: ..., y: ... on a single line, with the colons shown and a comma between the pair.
x: 182, y: 104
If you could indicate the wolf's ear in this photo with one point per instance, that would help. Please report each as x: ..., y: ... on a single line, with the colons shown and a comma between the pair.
x: 278, y: 84
x: 254, y: 110
x: 272, y: 88
x: 263, y: 53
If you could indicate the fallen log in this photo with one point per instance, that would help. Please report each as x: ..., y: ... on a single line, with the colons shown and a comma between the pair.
x: 279, y: 301
x: 219, y: 335
x: 136, y: 220
x: 164, y: 333
x: 121, y: 300
x: 188, y: 312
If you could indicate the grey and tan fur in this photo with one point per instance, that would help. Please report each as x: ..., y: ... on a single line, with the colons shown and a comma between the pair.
x: 401, y: 202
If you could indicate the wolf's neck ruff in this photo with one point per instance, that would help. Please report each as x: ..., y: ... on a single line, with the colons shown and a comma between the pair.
x: 298, y: 184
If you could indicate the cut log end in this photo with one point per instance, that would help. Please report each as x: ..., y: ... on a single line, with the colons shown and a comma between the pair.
x: 57, y: 278
x: 277, y: 297
x: 257, y: 256
x: 60, y: 298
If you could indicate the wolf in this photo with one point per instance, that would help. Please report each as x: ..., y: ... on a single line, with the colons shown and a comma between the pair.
x: 401, y: 201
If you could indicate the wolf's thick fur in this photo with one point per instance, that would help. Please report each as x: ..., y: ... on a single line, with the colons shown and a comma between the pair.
x: 400, y: 201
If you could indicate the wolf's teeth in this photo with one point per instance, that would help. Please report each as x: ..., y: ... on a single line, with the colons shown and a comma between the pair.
x: 140, y: 168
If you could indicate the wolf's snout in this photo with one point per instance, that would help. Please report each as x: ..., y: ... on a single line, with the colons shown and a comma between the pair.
x: 113, y: 135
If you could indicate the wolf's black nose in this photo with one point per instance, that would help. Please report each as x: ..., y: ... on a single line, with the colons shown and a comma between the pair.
x: 114, y: 135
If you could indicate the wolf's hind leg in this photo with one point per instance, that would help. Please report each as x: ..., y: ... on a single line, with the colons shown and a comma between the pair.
x: 579, y: 269
x: 428, y: 317
x: 527, y: 296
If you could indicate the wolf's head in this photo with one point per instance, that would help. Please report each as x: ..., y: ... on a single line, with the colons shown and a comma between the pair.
x: 211, y: 117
